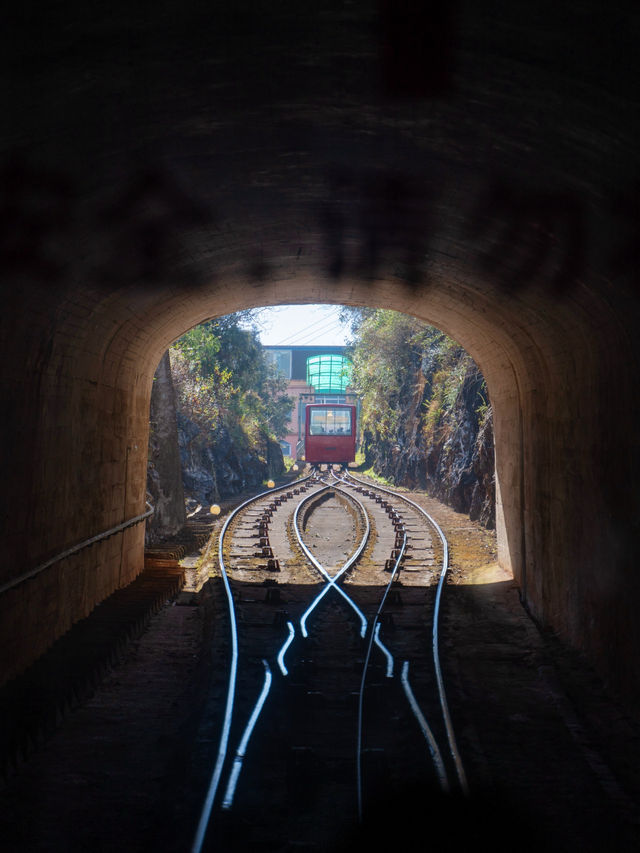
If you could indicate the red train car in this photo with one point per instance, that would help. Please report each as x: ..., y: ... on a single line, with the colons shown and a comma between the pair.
x: 330, y: 433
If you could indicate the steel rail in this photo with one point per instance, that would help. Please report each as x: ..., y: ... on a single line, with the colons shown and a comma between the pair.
x: 283, y: 650
x: 205, y: 814
x: 426, y: 731
x: 444, y: 705
x: 434, y: 749
x: 31, y: 573
x: 242, y: 747
x: 331, y: 581
x: 422, y: 722
x: 385, y: 651
x: 364, y: 676
x: 237, y: 765
x: 374, y: 633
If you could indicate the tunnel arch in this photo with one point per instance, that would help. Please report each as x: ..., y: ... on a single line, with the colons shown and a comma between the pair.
x: 514, y: 339
x: 198, y: 177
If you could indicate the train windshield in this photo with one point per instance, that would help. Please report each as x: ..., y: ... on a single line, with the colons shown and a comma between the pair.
x: 330, y: 422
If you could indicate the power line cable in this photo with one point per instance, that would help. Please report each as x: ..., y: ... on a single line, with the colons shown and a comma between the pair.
x: 309, y: 339
x: 317, y: 338
x: 308, y: 330
x: 328, y: 323
x: 327, y: 318
x: 279, y: 309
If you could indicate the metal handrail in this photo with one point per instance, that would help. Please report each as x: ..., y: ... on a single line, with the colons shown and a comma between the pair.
x: 31, y: 573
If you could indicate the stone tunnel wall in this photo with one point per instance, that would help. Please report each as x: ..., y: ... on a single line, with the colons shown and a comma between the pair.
x: 164, y: 471
x: 161, y: 170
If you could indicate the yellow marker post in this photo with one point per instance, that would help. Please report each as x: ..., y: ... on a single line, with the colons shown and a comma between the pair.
x: 215, y: 510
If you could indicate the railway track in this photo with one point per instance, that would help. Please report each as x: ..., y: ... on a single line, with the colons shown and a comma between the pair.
x: 334, y: 699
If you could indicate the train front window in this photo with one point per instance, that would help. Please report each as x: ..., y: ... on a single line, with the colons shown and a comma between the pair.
x: 330, y: 422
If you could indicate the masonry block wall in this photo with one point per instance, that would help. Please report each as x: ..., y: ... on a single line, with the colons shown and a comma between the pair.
x: 161, y: 170
x: 164, y: 477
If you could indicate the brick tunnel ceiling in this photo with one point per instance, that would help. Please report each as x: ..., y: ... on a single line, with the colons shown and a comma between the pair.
x: 161, y: 169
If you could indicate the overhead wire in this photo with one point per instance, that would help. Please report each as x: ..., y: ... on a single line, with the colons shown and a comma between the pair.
x: 313, y: 336
x: 330, y: 319
x: 319, y: 307
x: 328, y: 322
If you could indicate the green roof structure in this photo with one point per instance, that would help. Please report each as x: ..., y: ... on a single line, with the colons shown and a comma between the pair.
x: 328, y: 373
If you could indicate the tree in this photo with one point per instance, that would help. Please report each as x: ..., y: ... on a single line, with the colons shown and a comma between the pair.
x: 386, y: 356
x: 222, y: 376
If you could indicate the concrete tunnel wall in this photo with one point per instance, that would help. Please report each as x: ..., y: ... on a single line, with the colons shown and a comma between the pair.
x: 487, y: 210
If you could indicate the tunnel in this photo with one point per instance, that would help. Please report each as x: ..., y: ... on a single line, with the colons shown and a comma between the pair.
x: 473, y: 167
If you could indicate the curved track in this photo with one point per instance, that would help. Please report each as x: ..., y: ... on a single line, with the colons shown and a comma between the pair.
x: 335, y: 698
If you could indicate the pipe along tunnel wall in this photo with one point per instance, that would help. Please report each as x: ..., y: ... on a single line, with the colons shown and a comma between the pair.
x: 140, y: 201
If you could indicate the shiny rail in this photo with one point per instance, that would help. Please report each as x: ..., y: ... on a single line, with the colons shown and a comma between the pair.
x: 242, y: 748
x: 434, y: 750
x: 343, y: 484
x: 374, y: 637
x: 237, y: 766
x: 205, y: 814
x: 444, y: 705
x: 331, y: 581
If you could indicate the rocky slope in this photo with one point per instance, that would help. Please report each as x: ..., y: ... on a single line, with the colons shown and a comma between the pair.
x: 190, y: 464
x: 216, y: 466
x: 443, y: 441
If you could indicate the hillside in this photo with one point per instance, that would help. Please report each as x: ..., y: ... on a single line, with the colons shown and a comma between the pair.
x: 426, y: 417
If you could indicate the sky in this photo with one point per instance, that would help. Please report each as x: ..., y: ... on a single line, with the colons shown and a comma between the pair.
x: 296, y: 325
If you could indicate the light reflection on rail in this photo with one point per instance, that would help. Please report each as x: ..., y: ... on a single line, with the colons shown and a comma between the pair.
x: 347, y: 479
x: 444, y: 705
x: 205, y: 814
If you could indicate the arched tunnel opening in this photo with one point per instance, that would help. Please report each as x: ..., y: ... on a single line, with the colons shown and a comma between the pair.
x: 549, y: 394
x: 156, y: 171
x: 229, y: 398
x: 494, y: 350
